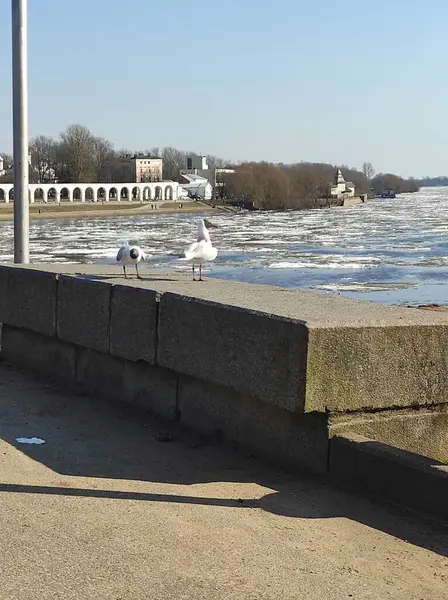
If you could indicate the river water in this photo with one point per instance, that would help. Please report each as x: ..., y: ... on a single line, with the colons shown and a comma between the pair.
x: 392, y: 251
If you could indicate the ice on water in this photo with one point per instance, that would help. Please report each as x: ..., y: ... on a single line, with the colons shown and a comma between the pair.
x: 386, y: 250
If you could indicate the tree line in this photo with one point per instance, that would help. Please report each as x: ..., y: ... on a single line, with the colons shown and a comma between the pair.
x: 78, y: 156
x: 442, y: 180
x: 305, y: 184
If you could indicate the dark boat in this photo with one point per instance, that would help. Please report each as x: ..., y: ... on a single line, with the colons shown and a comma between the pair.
x: 388, y: 194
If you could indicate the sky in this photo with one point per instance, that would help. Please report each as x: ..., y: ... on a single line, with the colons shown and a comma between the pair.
x: 341, y: 82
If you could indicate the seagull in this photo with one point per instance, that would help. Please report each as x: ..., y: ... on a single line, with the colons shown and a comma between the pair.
x: 130, y: 255
x: 202, y: 250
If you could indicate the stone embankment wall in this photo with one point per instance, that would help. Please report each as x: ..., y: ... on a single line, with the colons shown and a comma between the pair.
x: 355, y: 200
x: 311, y: 381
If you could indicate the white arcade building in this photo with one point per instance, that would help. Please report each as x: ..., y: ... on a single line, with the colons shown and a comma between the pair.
x: 96, y: 192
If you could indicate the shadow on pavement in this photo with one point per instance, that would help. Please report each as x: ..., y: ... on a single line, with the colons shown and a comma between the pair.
x: 87, y: 437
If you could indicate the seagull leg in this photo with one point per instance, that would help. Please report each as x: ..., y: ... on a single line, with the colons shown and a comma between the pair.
x: 124, y: 269
x: 200, y: 272
x: 193, y: 273
x: 138, y: 274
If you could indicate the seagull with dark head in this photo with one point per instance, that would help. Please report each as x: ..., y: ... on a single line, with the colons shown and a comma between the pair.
x: 202, y: 250
x: 130, y: 256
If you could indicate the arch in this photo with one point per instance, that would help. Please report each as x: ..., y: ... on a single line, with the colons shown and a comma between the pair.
x: 136, y: 193
x: 101, y: 194
x: 142, y: 192
x: 64, y: 194
x: 38, y: 195
x: 158, y: 193
x: 89, y: 194
x: 52, y: 195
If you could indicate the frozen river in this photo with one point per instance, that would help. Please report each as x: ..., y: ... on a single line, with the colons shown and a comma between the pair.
x: 393, y: 251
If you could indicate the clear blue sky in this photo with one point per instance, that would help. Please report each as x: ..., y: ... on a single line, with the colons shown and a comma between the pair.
x: 290, y: 80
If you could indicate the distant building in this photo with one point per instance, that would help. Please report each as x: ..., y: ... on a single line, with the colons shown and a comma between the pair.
x: 196, y: 186
x: 342, y: 188
x: 141, y: 168
x: 6, y: 167
x: 197, y: 164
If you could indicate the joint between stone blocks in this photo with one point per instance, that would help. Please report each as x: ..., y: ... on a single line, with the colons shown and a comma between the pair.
x: 56, y: 307
x: 156, y: 330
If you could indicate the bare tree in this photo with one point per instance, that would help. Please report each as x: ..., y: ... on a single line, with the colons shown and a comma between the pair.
x: 78, y: 150
x: 389, y: 181
x: 173, y: 161
x: 120, y: 168
x: 368, y: 170
x: 104, y: 159
x: 59, y: 162
x: 154, y: 151
x: 43, y: 155
x: 214, y: 162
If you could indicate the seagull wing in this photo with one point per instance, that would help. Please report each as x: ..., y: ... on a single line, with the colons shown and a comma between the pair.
x: 121, y: 253
x: 190, y: 251
x: 200, y: 250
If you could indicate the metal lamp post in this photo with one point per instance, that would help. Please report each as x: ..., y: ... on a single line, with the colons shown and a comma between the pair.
x: 20, y: 129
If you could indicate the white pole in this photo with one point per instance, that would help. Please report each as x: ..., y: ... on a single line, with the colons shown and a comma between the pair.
x: 20, y: 127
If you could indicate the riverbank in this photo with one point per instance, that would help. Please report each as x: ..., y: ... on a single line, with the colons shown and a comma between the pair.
x: 109, y: 209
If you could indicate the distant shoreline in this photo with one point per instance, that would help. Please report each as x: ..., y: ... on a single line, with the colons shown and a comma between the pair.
x: 39, y: 212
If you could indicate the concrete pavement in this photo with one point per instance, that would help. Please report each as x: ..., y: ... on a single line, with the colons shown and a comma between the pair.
x: 117, y: 505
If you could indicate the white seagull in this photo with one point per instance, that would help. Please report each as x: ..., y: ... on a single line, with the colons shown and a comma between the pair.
x: 130, y: 255
x: 202, y: 250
